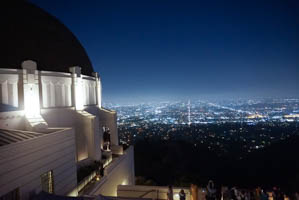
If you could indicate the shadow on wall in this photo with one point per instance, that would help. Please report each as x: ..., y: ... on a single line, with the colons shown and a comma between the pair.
x: 6, y: 107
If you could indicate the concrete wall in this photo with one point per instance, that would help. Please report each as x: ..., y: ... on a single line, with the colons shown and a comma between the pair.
x: 54, y: 93
x: 86, y: 129
x: 89, y: 130
x: 119, y: 172
x: 22, y: 163
x: 58, y: 100
x: 152, y: 192
x: 9, y: 89
x: 12, y: 120
x: 89, y: 90
x: 56, y: 90
x: 108, y: 119
x: 156, y: 192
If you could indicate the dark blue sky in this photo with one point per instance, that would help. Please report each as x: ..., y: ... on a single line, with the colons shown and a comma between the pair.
x: 151, y: 49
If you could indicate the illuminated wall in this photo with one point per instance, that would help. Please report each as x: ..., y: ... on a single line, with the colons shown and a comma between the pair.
x: 54, y: 99
x: 9, y: 89
x: 108, y: 119
x: 86, y: 128
x: 30, y: 89
x: 22, y: 163
x: 119, y: 172
x: 89, y: 91
x: 56, y: 90
x: 58, y: 99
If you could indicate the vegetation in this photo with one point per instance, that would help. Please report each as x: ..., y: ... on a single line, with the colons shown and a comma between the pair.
x: 85, y: 171
x: 180, y: 163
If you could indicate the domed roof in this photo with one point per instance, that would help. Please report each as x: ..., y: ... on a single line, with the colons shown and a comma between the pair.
x: 30, y: 33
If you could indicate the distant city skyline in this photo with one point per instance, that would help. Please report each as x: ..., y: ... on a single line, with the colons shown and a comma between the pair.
x: 187, y: 49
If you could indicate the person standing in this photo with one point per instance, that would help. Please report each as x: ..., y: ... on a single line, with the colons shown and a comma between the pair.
x: 170, y: 193
x: 194, y: 192
x: 182, y: 195
x: 211, y: 191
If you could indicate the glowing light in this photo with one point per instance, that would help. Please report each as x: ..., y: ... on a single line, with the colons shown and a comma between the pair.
x: 176, y: 196
x: 189, y: 113
x: 255, y: 116
x: 97, y: 178
x: 31, y: 100
x: 292, y: 116
x: 125, y: 182
x: 79, y: 95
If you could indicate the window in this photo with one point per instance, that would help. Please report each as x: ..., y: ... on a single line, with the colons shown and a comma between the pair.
x: 47, y: 182
x: 12, y: 195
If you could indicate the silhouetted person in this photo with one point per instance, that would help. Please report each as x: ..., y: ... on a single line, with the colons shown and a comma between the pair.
x: 233, y: 193
x: 225, y: 193
x: 280, y: 195
x: 247, y: 195
x: 101, y: 170
x: 194, y: 192
x: 264, y: 195
x: 242, y: 194
x: 257, y: 193
x: 106, y: 137
x: 170, y: 193
x: 211, y: 191
x: 182, y: 195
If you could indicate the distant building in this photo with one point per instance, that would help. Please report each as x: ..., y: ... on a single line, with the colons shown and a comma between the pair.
x: 52, y: 123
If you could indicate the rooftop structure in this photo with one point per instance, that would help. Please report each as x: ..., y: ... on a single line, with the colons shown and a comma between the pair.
x: 13, y: 136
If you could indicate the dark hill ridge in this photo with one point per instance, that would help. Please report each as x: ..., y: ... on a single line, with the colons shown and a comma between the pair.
x: 180, y: 163
x: 28, y: 32
x: 277, y: 165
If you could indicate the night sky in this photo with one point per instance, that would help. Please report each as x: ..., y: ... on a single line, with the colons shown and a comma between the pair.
x: 147, y: 50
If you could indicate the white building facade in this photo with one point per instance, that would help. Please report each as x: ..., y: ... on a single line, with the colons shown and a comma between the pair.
x: 62, y: 113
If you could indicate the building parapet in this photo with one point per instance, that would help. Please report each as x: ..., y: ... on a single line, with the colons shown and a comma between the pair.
x: 152, y: 192
x: 113, y: 176
x: 11, y: 136
x: 55, y: 88
x: 118, y: 160
x: 53, y: 73
x: 10, y: 71
x: 108, y: 110
x: 86, y: 181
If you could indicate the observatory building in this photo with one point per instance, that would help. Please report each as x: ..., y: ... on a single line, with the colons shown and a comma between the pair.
x: 54, y: 133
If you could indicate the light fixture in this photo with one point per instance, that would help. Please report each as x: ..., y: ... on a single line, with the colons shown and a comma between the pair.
x: 31, y: 101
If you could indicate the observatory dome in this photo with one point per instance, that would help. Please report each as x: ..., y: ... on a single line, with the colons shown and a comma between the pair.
x: 33, y: 34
